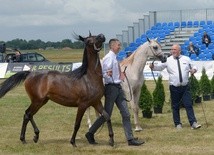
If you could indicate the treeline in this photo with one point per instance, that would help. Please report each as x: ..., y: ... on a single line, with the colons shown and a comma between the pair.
x: 39, y: 44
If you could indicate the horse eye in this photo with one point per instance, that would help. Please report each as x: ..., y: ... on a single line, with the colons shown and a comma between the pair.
x: 88, y: 41
x: 155, y: 47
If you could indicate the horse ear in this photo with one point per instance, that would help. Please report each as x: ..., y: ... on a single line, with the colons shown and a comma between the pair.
x: 89, y: 34
x: 148, y: 39
x: 81, y: 38
x: 78, y: 37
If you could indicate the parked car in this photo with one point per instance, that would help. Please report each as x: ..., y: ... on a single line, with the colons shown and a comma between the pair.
x: 24, y: 57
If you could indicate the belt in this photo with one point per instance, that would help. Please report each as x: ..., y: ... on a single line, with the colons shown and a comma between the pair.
x: 113, y: 84
x: 179, y: 85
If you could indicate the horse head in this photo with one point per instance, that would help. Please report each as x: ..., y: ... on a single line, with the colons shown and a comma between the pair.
x: 155, y: 50
x: 96, y: 42
x: 93, y: 44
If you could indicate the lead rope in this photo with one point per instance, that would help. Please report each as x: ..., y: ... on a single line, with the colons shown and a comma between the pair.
x: 201, y: 102
x: 153, y: 72
x: 128, y: 86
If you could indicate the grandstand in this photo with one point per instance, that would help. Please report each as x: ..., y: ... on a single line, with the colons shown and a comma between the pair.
x: 171, y: 27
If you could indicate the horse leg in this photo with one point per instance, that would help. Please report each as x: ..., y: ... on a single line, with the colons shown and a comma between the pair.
x: 26, y: 119
x: 132, y: 95
x: 80, y: 113
x: 88, y: 117
x: 135, y: 109
x: 28, y: 116
x: 97, y: 113
x: 36, y: 130
x: 99, y: 108
x: 136, y: 119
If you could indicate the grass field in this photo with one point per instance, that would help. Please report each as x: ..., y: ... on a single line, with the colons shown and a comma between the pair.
x: 74, y: 55
x: 56, y: 126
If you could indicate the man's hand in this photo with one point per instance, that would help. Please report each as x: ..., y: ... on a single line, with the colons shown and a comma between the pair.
x: 109, y: 72
x: 122, y: 76
x: 192, y: 71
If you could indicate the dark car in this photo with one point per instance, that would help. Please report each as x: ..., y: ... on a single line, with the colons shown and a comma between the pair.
x: 25, y: 57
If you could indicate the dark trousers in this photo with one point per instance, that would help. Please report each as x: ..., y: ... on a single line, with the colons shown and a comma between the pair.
x: 180, y: 95
x: 115, y: 94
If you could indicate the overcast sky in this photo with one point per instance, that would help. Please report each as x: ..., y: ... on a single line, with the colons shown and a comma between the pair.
x: 55, y: 20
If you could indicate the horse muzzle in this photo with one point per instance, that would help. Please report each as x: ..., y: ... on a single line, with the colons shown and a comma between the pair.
x: 101, y: 38
x: 162, y: 57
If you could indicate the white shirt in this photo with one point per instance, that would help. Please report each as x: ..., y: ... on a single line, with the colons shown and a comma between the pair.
x: 110, y: 63
x: 172, y: 68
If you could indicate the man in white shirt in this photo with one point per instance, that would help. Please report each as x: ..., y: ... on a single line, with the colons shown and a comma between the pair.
x: 113, y: 94
x: 178, y: 66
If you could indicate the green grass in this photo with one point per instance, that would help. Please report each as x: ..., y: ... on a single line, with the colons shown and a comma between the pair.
x: 73, y: 55
x: 56, y: 125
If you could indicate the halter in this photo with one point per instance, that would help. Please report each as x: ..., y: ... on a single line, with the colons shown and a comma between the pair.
x: 97, y: 49
x: 97, y: 62
x: 156, y: 55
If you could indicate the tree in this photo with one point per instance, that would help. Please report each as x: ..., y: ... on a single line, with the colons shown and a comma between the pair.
x: 36, y: 44
x: 159, y: 95
x: 212, y: 85
x: 66, y: 43
x: 205, y: 84
x: 195, y: 88
x: 145, y: 101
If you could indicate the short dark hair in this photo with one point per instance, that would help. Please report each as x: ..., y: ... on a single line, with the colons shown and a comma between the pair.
x: 112, y: 41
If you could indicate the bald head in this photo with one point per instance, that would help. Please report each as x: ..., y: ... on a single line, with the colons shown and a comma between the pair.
x: 176, y: 50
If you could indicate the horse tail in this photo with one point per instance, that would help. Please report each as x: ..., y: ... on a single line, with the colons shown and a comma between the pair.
x: 12, y: 82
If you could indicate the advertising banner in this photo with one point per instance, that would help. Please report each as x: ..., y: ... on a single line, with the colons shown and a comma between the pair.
x: 43, y: 67
x: 3, y: 68
x: 8, y: 69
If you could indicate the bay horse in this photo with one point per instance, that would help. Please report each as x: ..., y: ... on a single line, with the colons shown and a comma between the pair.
x: 134, y: 66
x: 80, y: 88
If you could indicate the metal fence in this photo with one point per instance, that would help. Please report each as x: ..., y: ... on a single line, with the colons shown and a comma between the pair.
x: 150, y: 19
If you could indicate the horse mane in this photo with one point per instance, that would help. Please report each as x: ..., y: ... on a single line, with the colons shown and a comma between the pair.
x: 128, y: 60
x: 82, y: 70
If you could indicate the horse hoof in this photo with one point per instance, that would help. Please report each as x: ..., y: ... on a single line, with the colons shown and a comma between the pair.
x: 35, y: 139
x: 138, y: 129
x: 73, y: 144
x: 24, y: 142
x: 111, y: 142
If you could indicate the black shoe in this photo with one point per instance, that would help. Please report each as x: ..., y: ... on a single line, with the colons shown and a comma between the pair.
x: 90, y: 138
x: 135, y: 142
